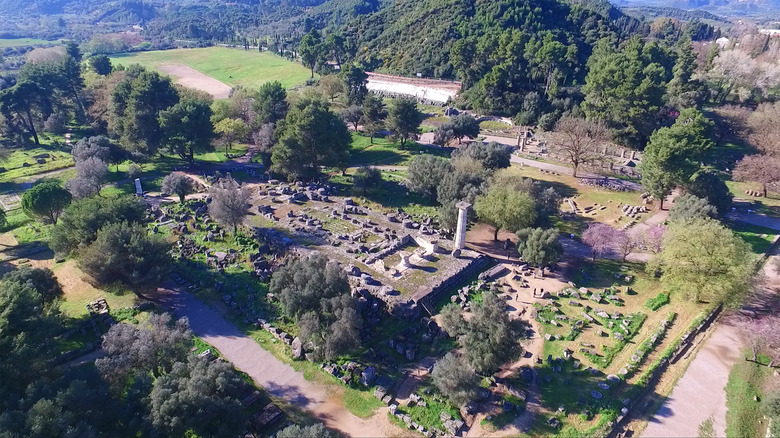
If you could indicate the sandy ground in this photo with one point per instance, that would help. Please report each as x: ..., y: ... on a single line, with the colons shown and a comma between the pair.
x: 700, y: 393
x: 274, y: 376
x: 187, y: 76
x: 520, y: 304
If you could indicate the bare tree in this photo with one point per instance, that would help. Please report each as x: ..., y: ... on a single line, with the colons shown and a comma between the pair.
x: 762, y: 128
x: 577, y: 138
x: 654, y: 237
x: 179, y: 184
x: 762, y: 335
x: 731, y: 121
x: 761, y: 168
x: 264, y: 137
x: 90, y: 176
x: 228, y: 204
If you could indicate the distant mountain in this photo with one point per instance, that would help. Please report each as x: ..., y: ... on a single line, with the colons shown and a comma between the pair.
x: 652, y: 12
x: 728, y: 8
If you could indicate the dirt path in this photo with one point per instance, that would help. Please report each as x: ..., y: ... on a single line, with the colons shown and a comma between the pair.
x: 756, y: 219
x: 274, y: 376
x: 187, y: 76
x: 700, y: 393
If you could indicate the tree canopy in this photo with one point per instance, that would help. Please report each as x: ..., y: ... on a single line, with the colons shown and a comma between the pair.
x: 689, y: 207
x: 489, y: 338
x: 538, y: 246
x: 79, y: 225
x: 505, y: 209
x: 455, y: 379
x: 315, y: 292
x: 626, y: 86
x: 309, y: 137
x: 702, y: 260
x: 187, y: 127
x: 46, y: 200
x: 404, y: 119
x: 126, y: 253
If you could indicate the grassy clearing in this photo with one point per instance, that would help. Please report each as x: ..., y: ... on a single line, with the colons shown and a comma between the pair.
x: 19, y: 42
x: 769, y: 205
x: 390, y: 196
x: 569, y: 187
x: 21, y: 164
x: 383, y: 151
x: 234, y: 67
x: 744, y: 417
x: 492, y: 125
x: 361, y: 403
x: 604, y: 274
x: 78, y: 292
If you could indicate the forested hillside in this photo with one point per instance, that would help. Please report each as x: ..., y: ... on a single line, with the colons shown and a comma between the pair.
x: 500, y: 49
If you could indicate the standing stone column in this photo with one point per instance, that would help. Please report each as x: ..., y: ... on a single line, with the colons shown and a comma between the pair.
x: 463, y: 216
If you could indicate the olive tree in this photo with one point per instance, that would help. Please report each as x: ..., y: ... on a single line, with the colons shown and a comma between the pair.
x: 177, y: 183
x: 228, y: 204
x: 455, y: 379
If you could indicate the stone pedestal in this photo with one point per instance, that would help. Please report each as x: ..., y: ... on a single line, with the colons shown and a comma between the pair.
x: 405, y: 263
x: 463, y: 216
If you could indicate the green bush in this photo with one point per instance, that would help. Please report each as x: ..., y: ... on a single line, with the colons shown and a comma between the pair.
x: 659, y: 301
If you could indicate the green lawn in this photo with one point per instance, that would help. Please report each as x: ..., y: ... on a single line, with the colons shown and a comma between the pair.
x: 232, y: 66
x: 385, y: 152
x: 18, y: 42
x: 494, y: 125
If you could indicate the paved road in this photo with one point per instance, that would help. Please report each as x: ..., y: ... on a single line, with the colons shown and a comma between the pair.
x: 274, y: 376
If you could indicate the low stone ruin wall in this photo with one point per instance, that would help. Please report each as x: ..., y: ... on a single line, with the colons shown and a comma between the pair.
x: 427, y: 294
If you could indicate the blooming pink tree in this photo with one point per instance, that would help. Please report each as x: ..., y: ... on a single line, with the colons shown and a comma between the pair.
x: 762, y: 335
x: 600, y: 238
x: 626, y: 242
x: 654, y: 237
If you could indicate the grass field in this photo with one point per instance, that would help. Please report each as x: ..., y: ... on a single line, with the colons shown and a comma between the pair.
x: 18, y: 42
x: 232, y: 66
x: 759, y: 238
x: 386, y: 152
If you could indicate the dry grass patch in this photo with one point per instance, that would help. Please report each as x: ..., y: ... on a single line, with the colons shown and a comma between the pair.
x: 78, y: 292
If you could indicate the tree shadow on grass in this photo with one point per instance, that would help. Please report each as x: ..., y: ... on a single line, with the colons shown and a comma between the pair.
x: 602, y: 273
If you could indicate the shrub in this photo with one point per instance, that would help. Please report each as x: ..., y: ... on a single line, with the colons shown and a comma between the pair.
x: 658, y: 301
x: 367, y: 179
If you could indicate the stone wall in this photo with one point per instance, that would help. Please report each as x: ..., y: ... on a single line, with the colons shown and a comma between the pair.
x: 427, y: 294
x: 686, y: 341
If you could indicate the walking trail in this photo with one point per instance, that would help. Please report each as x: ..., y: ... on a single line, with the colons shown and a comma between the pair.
x: 701, y: 392
x: 274, y: 376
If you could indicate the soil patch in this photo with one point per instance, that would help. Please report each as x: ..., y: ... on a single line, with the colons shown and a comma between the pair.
x: 187, y: 76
